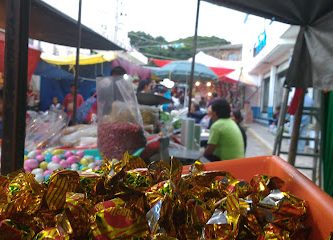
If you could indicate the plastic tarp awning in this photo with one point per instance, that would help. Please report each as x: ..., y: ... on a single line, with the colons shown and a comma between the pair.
x: 241, y: 77
x: 50, y: 25
x: 84, y: 59
x: 33, y: 57
x: 312, y: 60
x: 220, y: 67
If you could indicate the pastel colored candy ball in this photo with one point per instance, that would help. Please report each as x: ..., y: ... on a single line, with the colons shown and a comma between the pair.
x: 72, y: 159
x: 40, y: 158
x: 80, y: 153
x: 37, y: 171
x: 39, y: 178
x: 47, y: 177
x: 56, y: 159
x: 53, y: 166
x: 68, y: 154
x: 31, y: 154
x: 26, y: 169
x: 63, y: 164
x: 31, y: 163
x: 58, y: 152
x: 75, y: 166
x: 84, y: 161
x: 47, y: 172
x: 38, y: 152
x: 43, y: 165
x: 91, y: 165
x: 48, y: 157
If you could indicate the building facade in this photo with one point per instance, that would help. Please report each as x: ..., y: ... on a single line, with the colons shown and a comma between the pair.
x: 267, y: 58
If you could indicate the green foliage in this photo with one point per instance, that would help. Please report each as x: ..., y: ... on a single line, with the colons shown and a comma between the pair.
x: 180, y: 49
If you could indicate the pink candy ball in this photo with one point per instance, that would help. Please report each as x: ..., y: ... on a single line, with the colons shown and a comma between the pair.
x: 80, y: 153
x: 56, y: 159
x: 72, y: 159
x: 47, y: 172
x: 31, y: 163
x: 38, y: 152
x: 63, y: 164
x: 68, y: 154
x: 40, y: 158
x: 27, y: 169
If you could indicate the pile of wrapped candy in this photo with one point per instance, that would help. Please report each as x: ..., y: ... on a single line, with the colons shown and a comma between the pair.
x: 131, y: 200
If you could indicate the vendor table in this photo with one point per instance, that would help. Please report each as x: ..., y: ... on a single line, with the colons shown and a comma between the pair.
x: 186, y: 156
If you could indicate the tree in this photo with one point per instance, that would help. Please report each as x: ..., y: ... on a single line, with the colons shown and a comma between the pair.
x: 180, y: 49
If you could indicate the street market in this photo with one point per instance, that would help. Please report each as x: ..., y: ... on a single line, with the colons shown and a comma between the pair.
x: 103, y: 145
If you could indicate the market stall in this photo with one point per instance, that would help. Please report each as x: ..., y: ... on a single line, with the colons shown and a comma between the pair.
x: 126, y: 197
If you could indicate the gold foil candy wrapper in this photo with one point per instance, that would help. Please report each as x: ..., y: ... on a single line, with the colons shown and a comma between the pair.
x: 132, y: 162
x: 92, y: 185
x: 160, y: 217
x: 14, y: 231
x: 252, y: 225
x: 60, y: 183
x: 159, y: 171
x: 197, y: 167
x: 52, y: 234
x: 78, y: 214
x: 272, y: 232
x: 218, y: 227
x: 22, y: 193
x: 115, y: 222
x: 284, y: 204
x: 138, y: 179
x: 292, y: 206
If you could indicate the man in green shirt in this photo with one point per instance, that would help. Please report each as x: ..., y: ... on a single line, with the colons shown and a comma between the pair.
x: 225, y: 138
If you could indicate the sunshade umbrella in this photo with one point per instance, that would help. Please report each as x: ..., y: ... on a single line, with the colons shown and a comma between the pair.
x: 180, y: 71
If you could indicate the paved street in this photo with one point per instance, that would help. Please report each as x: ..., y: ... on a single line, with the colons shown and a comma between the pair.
x: 261, y: 142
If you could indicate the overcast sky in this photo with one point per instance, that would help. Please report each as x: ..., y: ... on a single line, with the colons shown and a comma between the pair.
x: 171, y: 19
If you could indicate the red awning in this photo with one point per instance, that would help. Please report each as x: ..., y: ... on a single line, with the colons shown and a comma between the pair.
x: 160, y: 62
x: 33, y: 57
x: 220, y: 72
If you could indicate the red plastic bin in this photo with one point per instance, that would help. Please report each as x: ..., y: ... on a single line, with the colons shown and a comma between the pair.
x: 320, y: 212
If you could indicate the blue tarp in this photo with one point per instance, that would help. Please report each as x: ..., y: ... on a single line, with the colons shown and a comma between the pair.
x: 55, y: 82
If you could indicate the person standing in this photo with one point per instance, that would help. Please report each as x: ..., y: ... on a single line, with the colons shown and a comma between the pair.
x: 55, y: 106
x: 69, y: 102
x: 145, y: 86
x: 225, y: 138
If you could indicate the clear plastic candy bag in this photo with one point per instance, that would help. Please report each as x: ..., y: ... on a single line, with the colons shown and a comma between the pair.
x: 44, y: 129
x: 120, y: 125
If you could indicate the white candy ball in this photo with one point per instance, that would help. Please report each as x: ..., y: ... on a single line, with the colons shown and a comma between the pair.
x: 37, y: 171
x: 91, y: 165
x: 32, y: 154
x: 75, y: 166
x: 53, y: 166
x: 39, y: 178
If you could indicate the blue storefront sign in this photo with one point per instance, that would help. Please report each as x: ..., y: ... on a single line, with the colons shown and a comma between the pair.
x: 260, y: 44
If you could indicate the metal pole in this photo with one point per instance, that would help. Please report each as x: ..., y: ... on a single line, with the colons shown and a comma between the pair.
x: 77, y: 63
x: 193, y: 58
x: 281, y: 121
x: 15, y: 85
x: 295, y: 133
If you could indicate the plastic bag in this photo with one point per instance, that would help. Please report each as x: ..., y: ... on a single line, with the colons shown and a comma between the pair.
x: 44, y: 129
x: 120, y: 125
x: 74, y: 138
